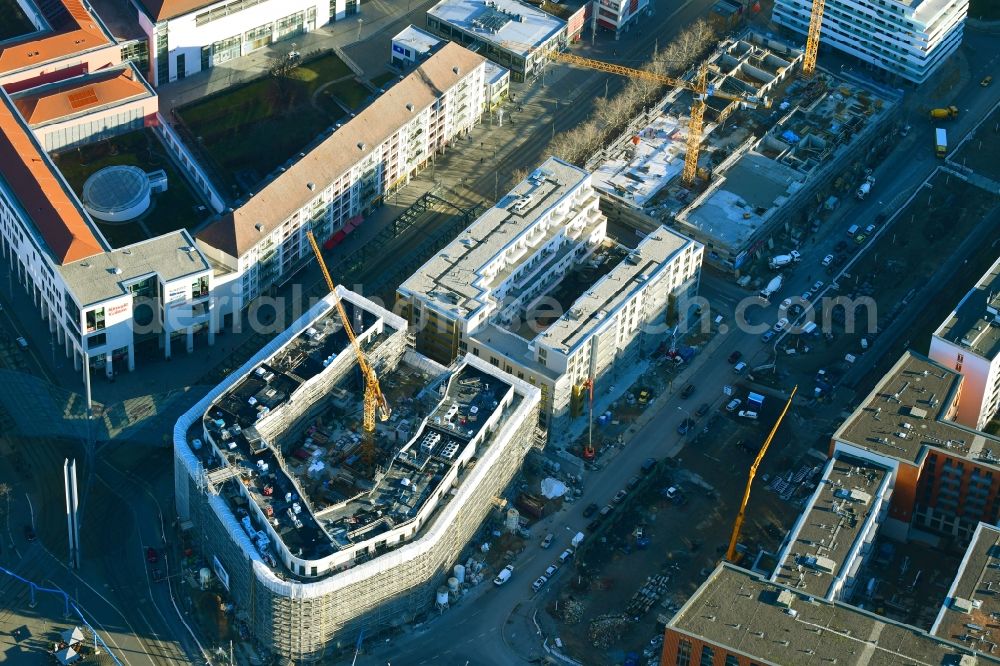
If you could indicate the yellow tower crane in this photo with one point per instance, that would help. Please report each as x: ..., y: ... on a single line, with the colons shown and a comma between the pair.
x: 374, y: 401
x: 812, y: 37
x: 738, y: 525
x: 699, y: 86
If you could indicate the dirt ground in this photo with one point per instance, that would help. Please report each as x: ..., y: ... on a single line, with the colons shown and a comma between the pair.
x: 900, y: 263
x: 980, y: 151
x: 711, y: 473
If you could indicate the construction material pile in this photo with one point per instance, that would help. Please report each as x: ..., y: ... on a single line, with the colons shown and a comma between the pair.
x: 650, y: 592
x: 607, y: 629
x: 571, y: 611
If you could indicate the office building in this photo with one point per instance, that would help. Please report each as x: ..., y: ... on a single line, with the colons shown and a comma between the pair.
x: 69, y: 39
x: 190, y: 36
x: 969, y: 342
x: 618, y: 16
x: 907, y: 38
x: 315, y: 539
x: 512, y: 34
x: 99, y: 301
x: 536, y: 287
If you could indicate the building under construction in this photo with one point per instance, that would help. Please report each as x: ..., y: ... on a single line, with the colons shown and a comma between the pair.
x: 317, y: 536
x: 760, y: 168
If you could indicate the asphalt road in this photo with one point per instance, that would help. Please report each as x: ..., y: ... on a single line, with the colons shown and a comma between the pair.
x: 478, y: 631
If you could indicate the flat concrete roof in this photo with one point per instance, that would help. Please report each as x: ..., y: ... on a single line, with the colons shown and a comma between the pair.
x: 419, y: 40
x: 603, y: 299
x: 522, y: 26
x: 103, y: 276
x: 745, y: 614
x: 451, y: 280
x: 821, y: 547
x: 750, y: 191
x: 905, y: 415
x: 975, y: 323
x: 972, y: 606
x: 495, y: 73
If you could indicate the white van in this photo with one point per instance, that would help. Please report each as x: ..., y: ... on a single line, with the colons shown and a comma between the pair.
x: 733, y: 404
x: 739, y: 368
x: 809, y: 328
x: 747, y: 414
x: 565, y: 555
x: 852, y: 230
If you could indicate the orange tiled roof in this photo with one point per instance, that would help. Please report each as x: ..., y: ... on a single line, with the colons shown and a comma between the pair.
x: 75, y: 31
x: 161, y: 10
x: 78, y: 95
x: 39, y: 190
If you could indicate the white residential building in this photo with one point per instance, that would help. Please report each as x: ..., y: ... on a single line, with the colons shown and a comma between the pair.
x: 346, y: 176
x: 969, y: 342
x: 500, y: 290
x: 618, y: 15
x: 189, y: 36
x: 909, y: 38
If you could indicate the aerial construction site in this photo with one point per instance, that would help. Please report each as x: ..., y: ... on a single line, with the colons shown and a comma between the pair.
x: 761, y: 162
x: 318, y: 531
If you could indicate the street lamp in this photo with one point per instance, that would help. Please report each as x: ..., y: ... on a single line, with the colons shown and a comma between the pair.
x: 690, y: 423
x: 361, y: 23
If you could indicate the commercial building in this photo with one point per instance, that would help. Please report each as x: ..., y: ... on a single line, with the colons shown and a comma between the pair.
x: 331, y: 188
x: 969, y: 342
x: 740, y: 618
x: 190, y: 36
x: 513, y: 34
x: 619, y: 16
x: 946, y: 476
x: 536, y: 287
x: 413, y: 45
x: 315, y: 539
x: 99, y: 301
x: 907, y: 38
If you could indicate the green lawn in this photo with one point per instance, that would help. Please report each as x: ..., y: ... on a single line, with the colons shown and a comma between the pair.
x: 174, y: 209
x: 351, y: 93
x: 384, y: 80
x: 14, y: 22
x: 277, y: 113
x: 988, y: 10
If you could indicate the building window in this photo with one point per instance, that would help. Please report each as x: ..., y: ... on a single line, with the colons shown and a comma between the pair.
x: 707, y: 656
x: 98, y: 340
x: 960, y: 358
x: 684, y: 652
x: 199, y: 287
x: 95, y: 320
x: 731, y: 660
x: 475, y: 351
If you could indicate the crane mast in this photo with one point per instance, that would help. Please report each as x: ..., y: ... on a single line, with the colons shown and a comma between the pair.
x: 738, y: 525
x: 374, y: 400
x: 812, y: 38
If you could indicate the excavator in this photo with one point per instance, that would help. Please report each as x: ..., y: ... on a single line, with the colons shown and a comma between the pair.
x: 375, y: 404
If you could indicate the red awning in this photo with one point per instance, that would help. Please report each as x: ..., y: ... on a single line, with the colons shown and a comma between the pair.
x: 334, y: 240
